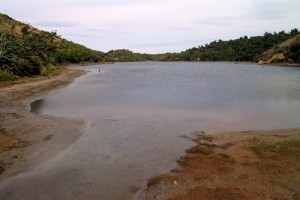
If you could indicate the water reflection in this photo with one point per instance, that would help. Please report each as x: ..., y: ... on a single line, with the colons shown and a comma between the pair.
x: 37, y: 105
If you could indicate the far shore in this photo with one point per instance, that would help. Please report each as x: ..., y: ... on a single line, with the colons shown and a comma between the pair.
x: 283, y: 64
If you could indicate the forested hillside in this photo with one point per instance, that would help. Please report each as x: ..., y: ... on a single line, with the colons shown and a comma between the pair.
x: 287, y: 51
x: 25, y: 50
x: 242, y: 49
x: 123, y: 55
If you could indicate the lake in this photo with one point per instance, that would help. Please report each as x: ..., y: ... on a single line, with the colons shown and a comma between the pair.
x: 142, y: 116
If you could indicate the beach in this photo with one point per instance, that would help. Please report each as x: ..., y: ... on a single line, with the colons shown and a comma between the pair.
x: 235, y: 165
x: 27, y: 139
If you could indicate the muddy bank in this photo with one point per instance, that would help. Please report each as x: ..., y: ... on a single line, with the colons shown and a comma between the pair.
x: 27, y: 139
x: 235, y: 165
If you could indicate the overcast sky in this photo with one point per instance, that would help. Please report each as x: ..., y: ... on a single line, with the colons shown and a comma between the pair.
x: 154, y: 26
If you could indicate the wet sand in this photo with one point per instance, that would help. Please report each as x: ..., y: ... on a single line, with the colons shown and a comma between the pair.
x: 26, y: 139
x: 235, y: 165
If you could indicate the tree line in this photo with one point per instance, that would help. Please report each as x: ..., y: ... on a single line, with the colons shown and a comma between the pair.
x: 242, y: 49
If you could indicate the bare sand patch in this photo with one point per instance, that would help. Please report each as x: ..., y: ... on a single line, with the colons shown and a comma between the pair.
x: 235, y: 165
x: 28, y: 139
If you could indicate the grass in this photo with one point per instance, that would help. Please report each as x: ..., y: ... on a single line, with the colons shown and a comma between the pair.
x: 201, y: 136
x: 200, y: 150
x: 190, y: 161
x: 8, y: 79
x: 5, y: 76
x: 155, y: 180
x: 275, y: 157
x: 53, y: 70
x: 283, y: 147
x: 289, y: 144
x: 207, y: 138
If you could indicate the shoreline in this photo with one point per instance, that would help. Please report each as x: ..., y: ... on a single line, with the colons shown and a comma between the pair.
x: 284, y: 64
x: 234, y: 165
x: 31, y: 139
x: 27, y: 139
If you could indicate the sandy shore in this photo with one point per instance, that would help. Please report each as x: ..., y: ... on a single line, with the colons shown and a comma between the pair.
x: 27, y: 139
x: 235, y: 165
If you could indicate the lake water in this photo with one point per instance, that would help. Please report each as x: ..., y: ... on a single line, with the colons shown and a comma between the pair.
x: 142, y: 116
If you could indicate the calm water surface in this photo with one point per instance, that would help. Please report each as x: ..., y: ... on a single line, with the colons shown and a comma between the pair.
x: 142, y: 116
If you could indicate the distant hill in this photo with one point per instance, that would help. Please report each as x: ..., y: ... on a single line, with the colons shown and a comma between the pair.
x: 242, y: 49
x: 287, y: 51
x: 25, y: 50
x: 123, y: 55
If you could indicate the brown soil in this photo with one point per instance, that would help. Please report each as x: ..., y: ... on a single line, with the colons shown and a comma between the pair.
x: 237, y: 165
x: 27, y: 139
x: 280, y: 64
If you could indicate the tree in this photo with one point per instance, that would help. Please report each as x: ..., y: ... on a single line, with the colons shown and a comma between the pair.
x: 294, y: 31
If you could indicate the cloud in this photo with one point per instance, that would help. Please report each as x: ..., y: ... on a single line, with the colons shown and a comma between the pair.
x: 269, y: 10
x: 77, y: 35
x: 97, y: 30
x: 55, y: 24
x: 155, y: 44
x: 116, y: 3
x: 269, y: 14
x: 181, y: 29
x: 216, y: 21
x: 155, y: 25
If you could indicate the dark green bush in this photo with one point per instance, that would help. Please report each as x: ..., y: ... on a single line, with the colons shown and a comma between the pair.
x: 4, y: 76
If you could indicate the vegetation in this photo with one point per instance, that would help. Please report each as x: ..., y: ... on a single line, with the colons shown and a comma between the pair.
x: 288, y: 51
x: 5, y: 76
x: 123, y: 55
x: 201, y: 136
x: 294, y: 53
x: 70, y: 52
x: 286, y: 147
x: 279, y: 157
x: 242, y: 49
x: 163, y: 57
x: 25, y: 56
x: 26, y: 51
x: 155, y: 180
x: 259, y: 165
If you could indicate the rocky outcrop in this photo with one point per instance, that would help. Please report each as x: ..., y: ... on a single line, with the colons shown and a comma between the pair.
x: 276, y: 58
x: 288, y: 52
